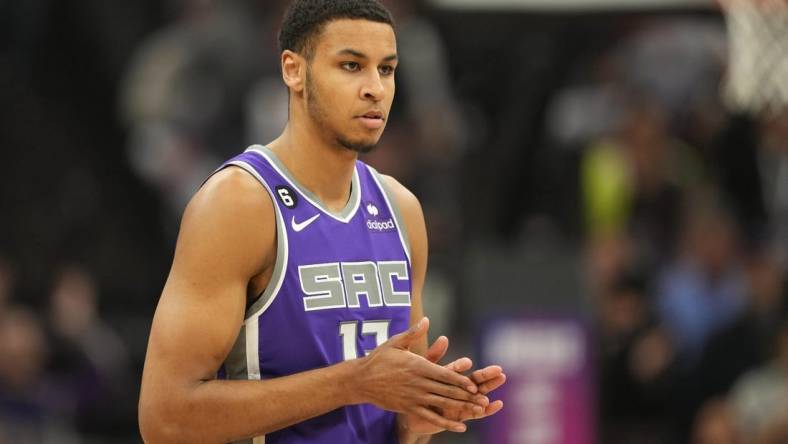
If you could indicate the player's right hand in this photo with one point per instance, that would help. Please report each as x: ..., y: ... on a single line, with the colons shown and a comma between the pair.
x: 395, y: 379
x: 488, y: 379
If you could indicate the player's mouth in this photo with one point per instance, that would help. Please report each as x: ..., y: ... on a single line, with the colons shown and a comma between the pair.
x: 372, y: 119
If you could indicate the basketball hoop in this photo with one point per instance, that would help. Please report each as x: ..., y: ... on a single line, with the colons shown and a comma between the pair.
x: 757, y: 79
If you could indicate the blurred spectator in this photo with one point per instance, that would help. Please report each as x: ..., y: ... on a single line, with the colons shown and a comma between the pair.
x: 90, y: 363
x: 746, y: 342
x: 624, y: 312
x: 751, y: 163
x: 637, y: 371
x: 607, y: 258
x: 186, y: 96
x: 593, y: 109
x: 695, y: 51
x: 716, y: 424
x: 773, y: 168
x: 635, y: 182
x: 760, y: 398
x: 30, y: 408
x: 23, y: 349
x: 424, y: 94
x: 703, y: 289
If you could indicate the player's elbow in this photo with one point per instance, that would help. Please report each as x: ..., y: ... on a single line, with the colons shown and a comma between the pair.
x: 155, y: 426
x: 161, y: 421
x: 156, y: 430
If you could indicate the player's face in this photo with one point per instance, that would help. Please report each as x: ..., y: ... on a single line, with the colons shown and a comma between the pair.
x: 350, y: 81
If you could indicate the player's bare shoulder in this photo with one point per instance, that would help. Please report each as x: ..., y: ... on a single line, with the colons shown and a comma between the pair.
x: 407, y: 202
x: 233, y: 189
x: 231, y: 213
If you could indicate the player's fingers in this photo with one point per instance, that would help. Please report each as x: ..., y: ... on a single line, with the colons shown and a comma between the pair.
x: 492, y: 384
x: 410, y: 336
x: 461, y: 365
x: 442, y: 374
x: 438, y: 420
x: 493, y: 408
x: 486, y: 374
x: 454, y: 392
x: 438, y: 349
x: 460, y: 408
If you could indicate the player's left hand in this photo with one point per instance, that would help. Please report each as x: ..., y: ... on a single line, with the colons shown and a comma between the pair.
x: 487, y: 379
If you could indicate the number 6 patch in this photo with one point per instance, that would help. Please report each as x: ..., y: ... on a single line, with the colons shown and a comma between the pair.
x: 287, y: 196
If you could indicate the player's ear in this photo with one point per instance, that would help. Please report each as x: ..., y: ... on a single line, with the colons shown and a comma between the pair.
x: 293, y: 70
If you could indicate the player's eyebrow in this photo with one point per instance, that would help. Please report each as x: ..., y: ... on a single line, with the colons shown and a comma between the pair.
x: 361, y: 55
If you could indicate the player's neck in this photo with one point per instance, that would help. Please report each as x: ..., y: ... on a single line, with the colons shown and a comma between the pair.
x: 326, y: 170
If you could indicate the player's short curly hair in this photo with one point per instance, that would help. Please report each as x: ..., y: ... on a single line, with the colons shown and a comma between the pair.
x: 304, y: 20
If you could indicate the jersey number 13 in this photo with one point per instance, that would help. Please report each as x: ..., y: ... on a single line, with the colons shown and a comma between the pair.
x: 348, y: 331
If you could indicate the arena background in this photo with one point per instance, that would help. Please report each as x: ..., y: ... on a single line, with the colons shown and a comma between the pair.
x: 607, y: 202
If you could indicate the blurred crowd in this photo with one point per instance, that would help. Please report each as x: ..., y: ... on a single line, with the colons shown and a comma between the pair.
x: 65, y: 374
x: 684, y: 209
x: 614, y: 158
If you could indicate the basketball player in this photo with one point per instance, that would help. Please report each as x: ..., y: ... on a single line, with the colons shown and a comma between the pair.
x: 292, y: 312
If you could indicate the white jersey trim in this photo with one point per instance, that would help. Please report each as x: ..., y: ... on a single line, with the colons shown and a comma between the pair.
x: 282, y: 250
x: 251, y: 324
x: 394, y: 211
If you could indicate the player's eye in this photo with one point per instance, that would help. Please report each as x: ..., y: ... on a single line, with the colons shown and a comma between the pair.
x: 350, y: 66
x: 386, y: 70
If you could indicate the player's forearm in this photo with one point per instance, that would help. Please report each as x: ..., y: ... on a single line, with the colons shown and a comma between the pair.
x: 219, y: 411
x: 408, y: 437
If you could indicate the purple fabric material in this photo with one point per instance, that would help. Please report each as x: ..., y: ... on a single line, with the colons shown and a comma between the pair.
x: 293, y: 340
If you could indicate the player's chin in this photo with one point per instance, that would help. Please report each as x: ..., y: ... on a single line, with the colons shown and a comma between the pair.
x: 361, y: 145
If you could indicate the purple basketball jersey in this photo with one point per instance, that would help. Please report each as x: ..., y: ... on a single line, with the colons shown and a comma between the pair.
x: 340, y: 287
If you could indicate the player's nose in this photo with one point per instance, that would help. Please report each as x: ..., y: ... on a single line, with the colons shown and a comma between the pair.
x: 373, y: 88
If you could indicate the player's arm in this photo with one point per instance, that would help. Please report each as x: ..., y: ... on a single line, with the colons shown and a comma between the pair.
x: 488, y: 379
x: 227, y: 237
x: 413, y: 218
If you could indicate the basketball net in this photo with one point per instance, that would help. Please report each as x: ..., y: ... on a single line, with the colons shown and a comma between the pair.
x: 757, y: 79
